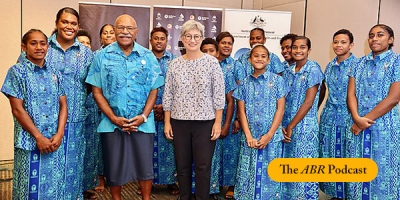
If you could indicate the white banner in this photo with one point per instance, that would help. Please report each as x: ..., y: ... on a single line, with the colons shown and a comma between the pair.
x: 239, y: 23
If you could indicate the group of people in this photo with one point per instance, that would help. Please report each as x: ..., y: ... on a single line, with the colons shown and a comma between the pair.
x: 202, y: 119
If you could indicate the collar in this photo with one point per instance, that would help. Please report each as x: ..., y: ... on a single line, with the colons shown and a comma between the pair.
x: 53, y: 40
x: 114, y: 48
x: 344, y: 62
x: 380, y: 56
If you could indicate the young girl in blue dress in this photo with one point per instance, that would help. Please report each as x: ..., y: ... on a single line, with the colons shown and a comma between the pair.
x: 373, y: 95
x: 39, y: 107
x: 335, y: 114
x: 261, y: 104
x: 300, y: 122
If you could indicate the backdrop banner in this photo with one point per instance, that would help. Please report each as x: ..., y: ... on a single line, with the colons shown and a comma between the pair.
x: 93, y: 16
x: 239, y: 23
x: 172, y: 18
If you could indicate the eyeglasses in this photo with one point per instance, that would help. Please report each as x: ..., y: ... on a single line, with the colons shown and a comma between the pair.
x: 129, y: 28
x: 196, y: 37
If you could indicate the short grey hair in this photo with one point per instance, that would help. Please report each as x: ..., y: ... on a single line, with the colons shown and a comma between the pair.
x: 190, y: 25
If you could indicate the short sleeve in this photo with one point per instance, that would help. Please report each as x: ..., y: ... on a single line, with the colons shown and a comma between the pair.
x: 239, y: 72
x: 230, y: 83
x: 94, y: 74
x: 239, y: 92
x: 353, y: 68
x: 396, y: 69
x: 315, y: 76
x: 282, y: 89
x: 157, y: 79
x: 275, y: 65
x: 13, y: 84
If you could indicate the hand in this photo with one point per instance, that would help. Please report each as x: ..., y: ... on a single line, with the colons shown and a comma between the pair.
x: 216, y: 131
x: 133, y: 124
x: 363, y: 122
x: 158, y: 112
x: 224, y: 132
x: 287, y: 134
x: 44, y: 145
x: 120, y: 121
x: 251, y: 142
x: 236, y: 127
x: 355, y: 129
x: 56, y: 140
x: 168, y: 131
x: 264, y: 140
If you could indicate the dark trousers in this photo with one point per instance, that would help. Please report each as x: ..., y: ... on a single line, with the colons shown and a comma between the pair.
x: 192, y: 140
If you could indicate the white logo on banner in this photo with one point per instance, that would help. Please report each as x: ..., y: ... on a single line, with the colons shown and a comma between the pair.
x: 191, y: 17
x: 176, y: 47
x: 214, y: 19
x: 178, y: 27
x: 166, y: 16
x: 169, y: 26
x: 258, y: 22
x: 214, y: 29
x: 201, y: 18
x: 158, y: 24
x: 181, y: 18
x: 168, y: 47
x: 158, y: 16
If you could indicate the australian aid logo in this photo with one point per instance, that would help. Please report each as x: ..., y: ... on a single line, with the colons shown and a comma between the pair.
x: 258, y: 22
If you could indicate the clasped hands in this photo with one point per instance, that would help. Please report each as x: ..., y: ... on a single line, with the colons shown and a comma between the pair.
x: 360, y: 124
x: 259, y: 144
x: 129, y: 125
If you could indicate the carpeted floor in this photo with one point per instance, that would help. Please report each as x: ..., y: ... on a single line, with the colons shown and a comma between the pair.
x: 159, y: 192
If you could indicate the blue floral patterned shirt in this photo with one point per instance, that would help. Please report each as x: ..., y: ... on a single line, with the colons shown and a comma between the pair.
x: 227, y: 66
x: 194, y: 89
x: 337, y: 79
x: 243, y: 67
x: 40, y: 89
x: 73, y: 64
x: 308, y: 76
x: 260, y: 96
x: 126, y: 82
x: 164, y: 64
x: 373, y: 78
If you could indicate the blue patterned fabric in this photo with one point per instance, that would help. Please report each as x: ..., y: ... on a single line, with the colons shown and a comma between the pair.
x: 93, y: 158
x: 164, y: 158
x: 73, y: 64
x: 334, y: 117
x: 230, y: 144
x: 74, y: 146
x: 381, y: 141
x: 38, y: 176
x: 304, y: 142
x: 126, y: 82
x: 260, y: 96
x: 243, y: 67
x: 40, y: 89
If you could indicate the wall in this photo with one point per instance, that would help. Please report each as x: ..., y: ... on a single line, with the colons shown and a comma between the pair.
x: 319, y: 18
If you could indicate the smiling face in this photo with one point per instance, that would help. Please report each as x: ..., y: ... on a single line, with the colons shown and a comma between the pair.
x: 286, y: 50
x: 107, y: 35
x: 125, y: 31
x: 341, y: 44
x: 36, y: 48
x: 300, y: 50
x: 225, y: 46
x: 379, y: 40
x: 257, y: 37
x: 67, y: 27
x: 158, y: 42
x: 192, y: 40
x: 259, y: 57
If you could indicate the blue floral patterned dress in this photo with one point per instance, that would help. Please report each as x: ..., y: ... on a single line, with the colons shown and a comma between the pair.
x: 243, y: 67
x: 73, y: 64
x: 304, y: 141
x: 260, y: 96
x: 36, y: 176
x: 334, y: 117
x: 164, y: 158
x: 381, y: 141
x: 230, y: 144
